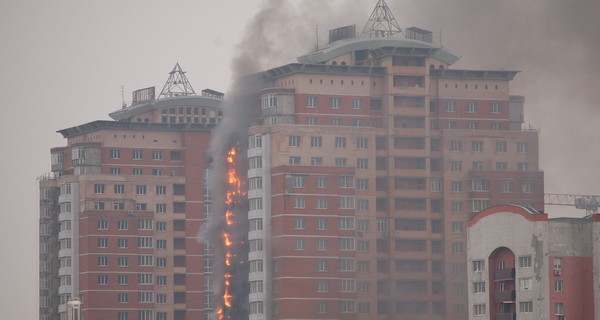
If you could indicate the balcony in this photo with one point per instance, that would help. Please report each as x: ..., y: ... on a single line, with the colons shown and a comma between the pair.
x: 505, y: 316
x: 504, y: 296
x: 504, y: 274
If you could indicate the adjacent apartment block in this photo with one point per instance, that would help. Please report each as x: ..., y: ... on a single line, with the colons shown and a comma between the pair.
x: 523, y: 265
x: 120, y: 214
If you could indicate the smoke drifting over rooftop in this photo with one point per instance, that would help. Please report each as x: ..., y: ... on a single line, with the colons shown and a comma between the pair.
x: 554, y: 43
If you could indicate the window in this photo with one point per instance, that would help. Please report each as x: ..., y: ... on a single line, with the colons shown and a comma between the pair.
x: 506, y: 186
x: 102, y: 261
x: 119, y: 188
x: 478, y: 265
x: 316, y: 161
x: 294, y: 161
x: 362, y: 164
x: 346, y: 264
x: 345, y: 181
x: 357, y: 103
x: 299, y: 223
x: 322, y: 265
x: 123, y: 298
x: 362, y: 184
x: 321, y: 203
x: 496, y: 107
x: 144, y: 278
x: 322, y: 244
x: 457, y: 247
x: 522, y: 147
x: 145, y: 242
x: 102, y: 224
x: 346, y: 223
x: 138, y: 171
x: 479, y: 309
x: 138, y: 154
x: 527, y: 186
x: 558, y: 263
x: 340, y: 162
x: 456, y: 186
x: 362, y: 204
x: 145, y: 224
x: 140, y: 189
x: 457, y: 227
x: 340, y: 142
x: 525, y: 284
x: 161, y: 315
x: 123, y: 243
x: 559, y: 308
x: 321, y: 224
x: 477, y: 165
x: 123, y: 279
x: 336, y: 121
x: 161, y: 298
x: 362, y: 143
x: 456, y: 146
x: 103, y: 243
x: 311, y: 102
x: 123, y: 261
x: 501, y: 146
x: 526, y: 306
x: 157, y: 155
x: 316, y: 141
x: 347, y: 244
x: 294, y: 141
x: 115, y: 154
x: 525, y: 262
x: 345, y: 202
x: 299, y: 244
x: 451, y: 106
x: 501, y: 166
x: 298, y: 181
x: 347, y: 306
x: 496, y: 126
x: 161, y: 208
x: 522, y: 166
x: 456, y: 166
x: 335, y: 102
x: 98, y: 188
x: 451, y: 125
x: 146, y: 297
x: 145, y: 261
x: 103, y: 279
x: 471, y: 106
x: 115, y: 171
x: 299, y: 202
x: 480, y: 185
x: 161, y: 244
x: 480, y: 204
x: 321, y: 182
x: 472, y: 125
x: 479, y: 287
x: 161, y: 262
x: 457, y: 207
x: 254, y: 162
x: 161, y: 190
x: 477, y: 146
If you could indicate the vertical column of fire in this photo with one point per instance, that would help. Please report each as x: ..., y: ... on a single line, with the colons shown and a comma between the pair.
x: 233, y: 244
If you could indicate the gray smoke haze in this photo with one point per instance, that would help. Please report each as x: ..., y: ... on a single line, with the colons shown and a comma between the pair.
x: 554, y: 43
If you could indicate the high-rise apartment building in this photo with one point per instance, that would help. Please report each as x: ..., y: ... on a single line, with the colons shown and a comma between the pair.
x: 120, y: 215
x: 365, y: 161
x: 523, y: 265
x: 369, y: 158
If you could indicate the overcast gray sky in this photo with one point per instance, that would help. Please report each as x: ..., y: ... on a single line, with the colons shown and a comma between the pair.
x: 63, y: 62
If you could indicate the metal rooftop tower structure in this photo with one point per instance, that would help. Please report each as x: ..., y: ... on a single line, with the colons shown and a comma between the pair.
x: 177, y: 84
x: 381, y: 23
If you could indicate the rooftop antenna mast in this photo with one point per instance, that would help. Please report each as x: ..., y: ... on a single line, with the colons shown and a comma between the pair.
x: 381, y: 23
x: 317, y: 37
x: 177, y: 84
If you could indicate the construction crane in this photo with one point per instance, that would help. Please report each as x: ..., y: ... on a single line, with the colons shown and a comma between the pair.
x: 587, y: 202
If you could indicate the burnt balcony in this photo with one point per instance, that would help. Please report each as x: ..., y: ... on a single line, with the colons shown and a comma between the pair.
x: 504, y: 296
x: 505, y: 316
x: 504, y: 274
